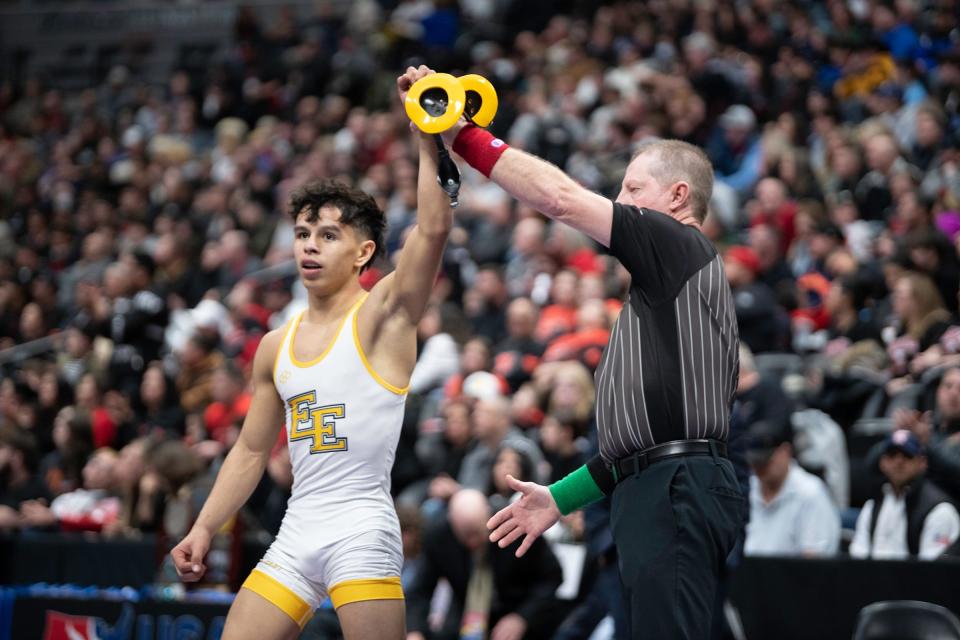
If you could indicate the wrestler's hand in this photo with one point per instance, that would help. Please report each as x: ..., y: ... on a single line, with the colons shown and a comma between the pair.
x: 529, y: 516
x: 407, y: 80
x: 189, y: 554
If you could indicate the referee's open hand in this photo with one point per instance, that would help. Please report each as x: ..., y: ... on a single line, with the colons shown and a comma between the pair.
x: 531, y: 515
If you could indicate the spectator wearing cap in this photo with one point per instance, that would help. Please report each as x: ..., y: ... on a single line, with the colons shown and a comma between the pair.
x: 761, y: 325
x: 735, y: 149
x: 912, y: 516
x: 791, y: 511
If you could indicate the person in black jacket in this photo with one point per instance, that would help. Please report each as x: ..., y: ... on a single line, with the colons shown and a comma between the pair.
x: 521, y: 603
x: 911, y: 516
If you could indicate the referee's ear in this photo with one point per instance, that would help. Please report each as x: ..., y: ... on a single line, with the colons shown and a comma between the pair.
x: 679, y: 195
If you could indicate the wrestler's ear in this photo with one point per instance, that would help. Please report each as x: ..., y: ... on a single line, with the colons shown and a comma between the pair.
x: 365, y: 252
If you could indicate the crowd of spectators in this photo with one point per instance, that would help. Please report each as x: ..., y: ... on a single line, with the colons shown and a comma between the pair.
x: 144, y: 234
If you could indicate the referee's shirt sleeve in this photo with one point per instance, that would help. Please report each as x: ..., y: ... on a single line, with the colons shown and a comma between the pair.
x: 652, y: 247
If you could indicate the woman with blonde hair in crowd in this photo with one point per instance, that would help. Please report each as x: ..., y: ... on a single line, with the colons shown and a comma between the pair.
x: 567, y: 386
x: 920, y: 318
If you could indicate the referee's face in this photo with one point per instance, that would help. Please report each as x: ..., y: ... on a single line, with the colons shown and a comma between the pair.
x: 641, y: 189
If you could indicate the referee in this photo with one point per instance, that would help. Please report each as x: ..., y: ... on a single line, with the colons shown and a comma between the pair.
x: 665, y: 385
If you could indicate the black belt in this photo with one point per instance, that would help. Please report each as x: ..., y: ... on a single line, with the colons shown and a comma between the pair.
x: 639, y: 461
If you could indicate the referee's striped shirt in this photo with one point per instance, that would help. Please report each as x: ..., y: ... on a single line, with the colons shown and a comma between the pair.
x: 670, y: 369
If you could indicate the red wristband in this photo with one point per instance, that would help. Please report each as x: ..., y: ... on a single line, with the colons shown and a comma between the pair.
x: 479, y: 148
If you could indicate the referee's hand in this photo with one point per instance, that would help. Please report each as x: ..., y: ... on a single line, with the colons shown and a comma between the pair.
x: 531, y: 515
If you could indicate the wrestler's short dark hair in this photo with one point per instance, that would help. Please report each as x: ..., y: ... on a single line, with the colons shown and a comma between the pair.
x: 357, y: 209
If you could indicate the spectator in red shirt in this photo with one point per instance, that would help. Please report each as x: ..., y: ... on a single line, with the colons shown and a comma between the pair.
x: 230, y: 403
x: 560, y: 316
x: 773, y: 206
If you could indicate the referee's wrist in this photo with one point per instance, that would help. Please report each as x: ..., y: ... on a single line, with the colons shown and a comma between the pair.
x: 575, y: 491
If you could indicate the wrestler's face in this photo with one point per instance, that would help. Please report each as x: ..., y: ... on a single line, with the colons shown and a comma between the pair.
x: 327, y: 252
x: 641, y: 189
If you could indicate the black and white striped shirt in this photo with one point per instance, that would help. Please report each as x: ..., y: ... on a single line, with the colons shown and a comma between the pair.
x: 670, y: 369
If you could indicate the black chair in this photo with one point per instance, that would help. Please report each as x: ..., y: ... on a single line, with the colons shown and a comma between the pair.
x: 906, y: 620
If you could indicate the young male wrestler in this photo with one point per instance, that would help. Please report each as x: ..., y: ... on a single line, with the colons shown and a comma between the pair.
x: 339, y: 373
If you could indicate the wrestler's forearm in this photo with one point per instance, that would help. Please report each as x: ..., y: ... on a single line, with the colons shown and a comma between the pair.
x: 434, y: 214
x: 238, y: 477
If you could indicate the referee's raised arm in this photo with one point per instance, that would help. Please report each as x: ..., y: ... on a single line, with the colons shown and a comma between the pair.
x: 533, y: 181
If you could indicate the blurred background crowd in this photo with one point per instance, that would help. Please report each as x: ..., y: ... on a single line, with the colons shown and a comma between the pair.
x: 145, y: 248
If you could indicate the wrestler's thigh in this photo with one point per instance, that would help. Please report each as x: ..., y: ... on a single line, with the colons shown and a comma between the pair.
x: 253, y: 617
x: 373, y: 620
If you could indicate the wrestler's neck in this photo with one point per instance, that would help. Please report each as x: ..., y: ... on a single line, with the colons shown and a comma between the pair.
x: 326, y: 306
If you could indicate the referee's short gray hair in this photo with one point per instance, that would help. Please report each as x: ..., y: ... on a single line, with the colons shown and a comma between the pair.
x: 679, y: 161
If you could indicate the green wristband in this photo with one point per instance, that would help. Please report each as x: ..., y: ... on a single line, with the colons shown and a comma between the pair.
x: 575, y: 490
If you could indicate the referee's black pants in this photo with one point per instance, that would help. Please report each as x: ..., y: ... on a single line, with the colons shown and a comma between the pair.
x: 674, y: 524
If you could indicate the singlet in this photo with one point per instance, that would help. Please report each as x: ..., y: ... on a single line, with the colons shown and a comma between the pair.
x: 342, y: 424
